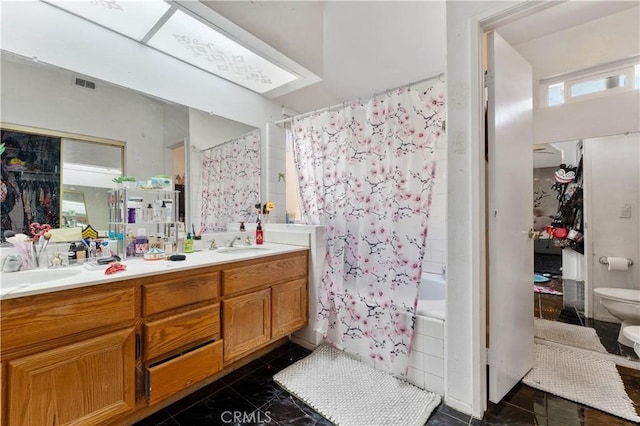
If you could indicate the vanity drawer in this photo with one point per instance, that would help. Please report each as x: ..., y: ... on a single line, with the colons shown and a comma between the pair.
x: 178, y: 331
x: 49, y: 316
x: 264, y: 273
x: 179, y: 291
x: 167, y: 378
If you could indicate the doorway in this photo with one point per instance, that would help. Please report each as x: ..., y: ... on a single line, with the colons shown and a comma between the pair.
x: 494, y: 242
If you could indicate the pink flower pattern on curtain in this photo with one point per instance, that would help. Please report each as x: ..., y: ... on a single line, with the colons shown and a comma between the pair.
x: 230, y: 182
x: 366, y: 172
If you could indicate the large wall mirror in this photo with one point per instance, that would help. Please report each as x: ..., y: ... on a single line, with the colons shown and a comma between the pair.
x: 128, y: 133
x: 56, y: 178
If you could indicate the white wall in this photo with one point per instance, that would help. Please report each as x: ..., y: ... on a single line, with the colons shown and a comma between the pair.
x: 275, y: 155
x: 465, y: 363
x: 612, y: 179
x: 435, y: 256
x: 44, y: 97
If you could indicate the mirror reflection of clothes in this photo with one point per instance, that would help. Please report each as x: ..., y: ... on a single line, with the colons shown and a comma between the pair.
x: 11, y: 203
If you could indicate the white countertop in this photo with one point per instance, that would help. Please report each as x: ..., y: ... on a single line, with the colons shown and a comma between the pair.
x: 137, y: 267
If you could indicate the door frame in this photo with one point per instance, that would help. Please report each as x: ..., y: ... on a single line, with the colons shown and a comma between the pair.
x: 479, y: 24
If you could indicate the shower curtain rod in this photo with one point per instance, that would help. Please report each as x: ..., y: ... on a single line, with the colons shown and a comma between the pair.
x: 227, y: 142
x: 342, y: 104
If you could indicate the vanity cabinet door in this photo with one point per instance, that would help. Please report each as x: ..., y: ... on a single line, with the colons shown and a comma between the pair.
x: 83, y: 383
x: 289, y: 311
x: 246, y: 323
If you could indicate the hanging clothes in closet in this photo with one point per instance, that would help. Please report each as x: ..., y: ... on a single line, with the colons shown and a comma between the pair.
x: 567, y: 228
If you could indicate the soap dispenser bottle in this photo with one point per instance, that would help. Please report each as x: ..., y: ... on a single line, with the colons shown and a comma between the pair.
x: 259, y: 236
x: 188, y: 243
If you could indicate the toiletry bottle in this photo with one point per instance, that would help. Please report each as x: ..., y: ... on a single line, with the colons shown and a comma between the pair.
x: 72, y: 253
x: 141, y: 242
x: 259, y: 237
x: 241, y: 226
x: 131, y: 215
x: 149, y: 214
x: 163, y: 212
x: 188, y: 243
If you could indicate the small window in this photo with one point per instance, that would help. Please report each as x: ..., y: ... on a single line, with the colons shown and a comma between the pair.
x: 556, y: 94
x: 596, y: 85
x: 590, y: 84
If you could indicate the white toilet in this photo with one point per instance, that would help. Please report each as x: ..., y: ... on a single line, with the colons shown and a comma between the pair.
x: 623, y: 304
x: 632, y: 333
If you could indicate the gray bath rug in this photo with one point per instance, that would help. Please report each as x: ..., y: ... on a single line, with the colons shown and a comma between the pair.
x: 350, y: 393
x: 568, y: 335
x: 582, y: 378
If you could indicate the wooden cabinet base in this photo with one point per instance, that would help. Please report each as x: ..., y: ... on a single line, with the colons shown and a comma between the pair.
x: 84, y: 383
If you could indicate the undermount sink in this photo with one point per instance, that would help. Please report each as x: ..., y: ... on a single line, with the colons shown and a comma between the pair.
x: 241, y: 249
x: 35, y: 276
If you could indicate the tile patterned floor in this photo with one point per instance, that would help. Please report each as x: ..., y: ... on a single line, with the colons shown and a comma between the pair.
x: 251, y: 392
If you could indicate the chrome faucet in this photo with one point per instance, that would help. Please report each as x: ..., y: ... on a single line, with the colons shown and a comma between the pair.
x: 12, y: 263
x: 232, y: 241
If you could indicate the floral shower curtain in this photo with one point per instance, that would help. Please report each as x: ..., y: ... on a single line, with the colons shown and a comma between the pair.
x: 230, y: 182
x: 366, y: 172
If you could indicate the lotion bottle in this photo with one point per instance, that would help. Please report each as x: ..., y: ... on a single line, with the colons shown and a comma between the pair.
x: 259, y: 237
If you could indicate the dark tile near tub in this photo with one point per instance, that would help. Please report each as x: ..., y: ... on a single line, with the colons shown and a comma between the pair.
x: 169, y: 422
x: 195, y: 397
x: 507, y: 414
x: 258, y: 386
x: 217, y: 409
x: 475, y: 422
x: 242, y: 372
x: 289, y: 357
x: 286, y: 409
x: 439, y: 418
x: 525, y: 397
x: 445, y: 409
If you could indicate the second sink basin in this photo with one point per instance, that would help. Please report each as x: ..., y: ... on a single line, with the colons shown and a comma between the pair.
x: 34, y: 276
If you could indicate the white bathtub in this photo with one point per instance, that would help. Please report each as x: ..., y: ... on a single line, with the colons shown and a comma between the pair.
x: 432, y: 296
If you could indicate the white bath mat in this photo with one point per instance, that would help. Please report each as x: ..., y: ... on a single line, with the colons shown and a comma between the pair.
x: 581, y: 378
x: 568, y: 334
x: 348, y: 392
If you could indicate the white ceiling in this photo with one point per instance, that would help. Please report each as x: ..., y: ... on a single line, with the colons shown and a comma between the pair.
x: 565, y: 14
x: 359, y: 48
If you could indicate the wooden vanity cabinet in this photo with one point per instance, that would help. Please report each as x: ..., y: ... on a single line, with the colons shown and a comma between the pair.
x: 69, y: 357
x: 262, y: 301
x: 113, y: 353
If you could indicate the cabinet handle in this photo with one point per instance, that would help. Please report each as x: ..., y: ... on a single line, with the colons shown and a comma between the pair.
x: 138, y: 346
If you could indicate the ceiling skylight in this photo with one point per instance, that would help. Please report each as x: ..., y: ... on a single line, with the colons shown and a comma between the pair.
x: 194, y: 42
x: 167, y: 28
x: 133, y: 19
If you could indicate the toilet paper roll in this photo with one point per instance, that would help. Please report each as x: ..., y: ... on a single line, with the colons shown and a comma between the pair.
x: 617, y: 263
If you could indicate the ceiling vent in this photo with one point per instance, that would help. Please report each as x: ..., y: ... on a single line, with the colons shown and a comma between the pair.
x: 84, y: 83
